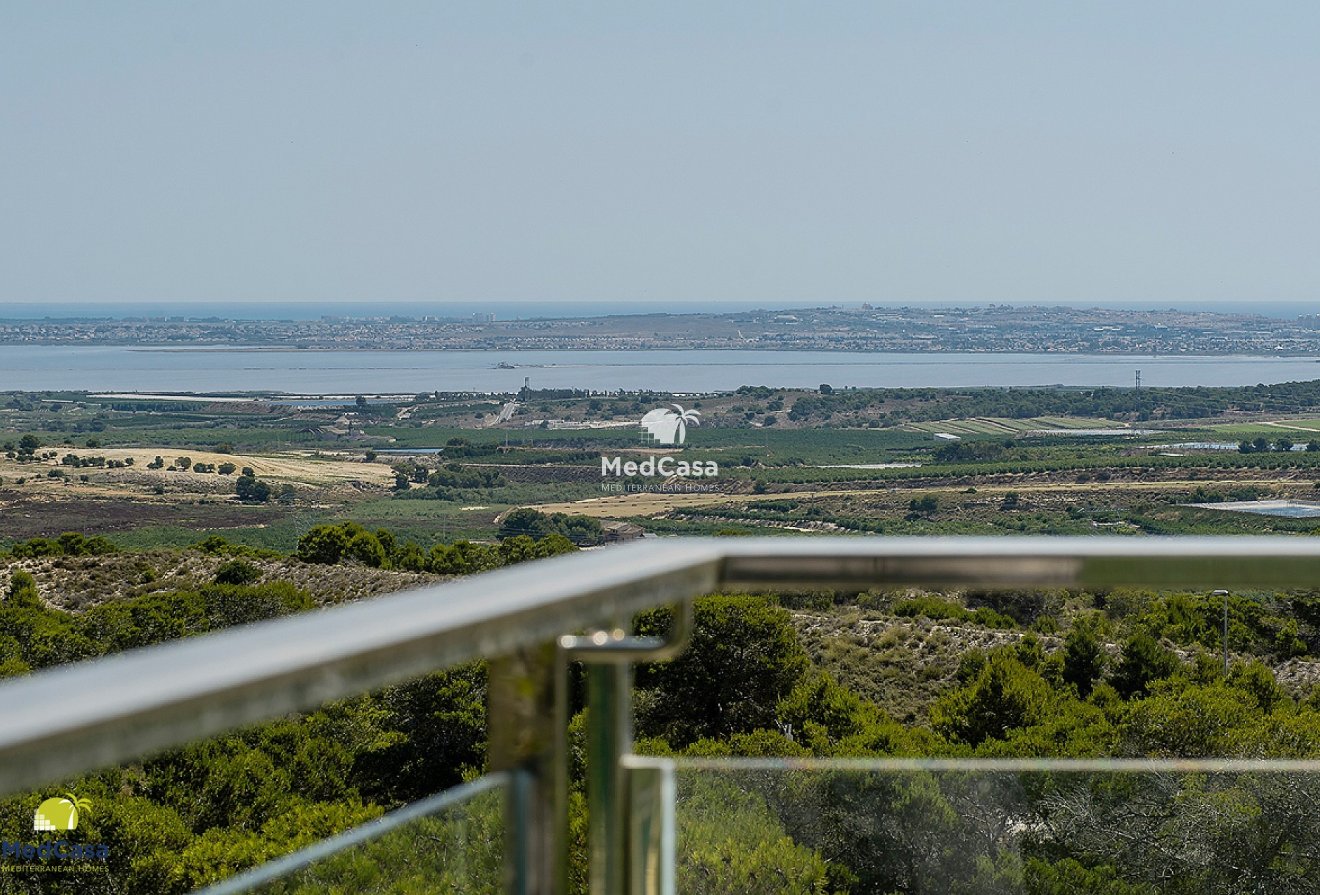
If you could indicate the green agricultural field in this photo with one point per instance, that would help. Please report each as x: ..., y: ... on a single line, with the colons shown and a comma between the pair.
x: 497, y: 469
x: 1005, y: 426
x: 1300, y: 430
x: 1071, y: 422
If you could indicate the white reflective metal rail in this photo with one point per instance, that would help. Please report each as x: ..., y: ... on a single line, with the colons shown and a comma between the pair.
x: 99, y: 713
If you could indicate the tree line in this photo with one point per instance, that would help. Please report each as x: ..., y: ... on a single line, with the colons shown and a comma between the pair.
x: 919, y: 404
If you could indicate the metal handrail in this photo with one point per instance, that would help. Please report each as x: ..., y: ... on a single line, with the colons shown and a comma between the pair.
x: 110, y: 710
x: 96, y: 714
x: 977, y: 765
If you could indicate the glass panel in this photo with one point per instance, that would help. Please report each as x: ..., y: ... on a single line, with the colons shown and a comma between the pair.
x: 934, y: 828
x: 451, y: 842
x: 651, y: 801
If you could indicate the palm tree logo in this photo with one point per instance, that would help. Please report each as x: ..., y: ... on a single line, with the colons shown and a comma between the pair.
x: 670, y: 426
x: 60, y: 813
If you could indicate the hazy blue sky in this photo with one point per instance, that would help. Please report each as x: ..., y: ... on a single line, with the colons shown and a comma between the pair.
x: 890, y: 151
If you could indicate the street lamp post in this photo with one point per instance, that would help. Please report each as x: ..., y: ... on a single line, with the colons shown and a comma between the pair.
x: 1224, y: 594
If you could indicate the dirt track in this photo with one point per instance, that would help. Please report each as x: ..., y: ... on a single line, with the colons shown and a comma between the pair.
x: 617, y: 506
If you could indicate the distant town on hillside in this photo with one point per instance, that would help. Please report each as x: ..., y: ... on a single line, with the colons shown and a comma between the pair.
x: 994, y: 328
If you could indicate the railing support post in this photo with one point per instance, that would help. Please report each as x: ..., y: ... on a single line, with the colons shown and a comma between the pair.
x: 526, y: 736
x: 609, y: 656
x: 609, y: 738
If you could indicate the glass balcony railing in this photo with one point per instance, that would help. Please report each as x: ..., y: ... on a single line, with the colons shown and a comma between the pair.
x: 990, y: 827
x: 665, y: 826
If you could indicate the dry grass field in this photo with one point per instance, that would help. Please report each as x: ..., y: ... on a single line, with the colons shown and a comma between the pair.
x: 294, y: 468
x: 32, y: 502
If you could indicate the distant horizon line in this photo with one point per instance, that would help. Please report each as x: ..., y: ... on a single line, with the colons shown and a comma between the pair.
x: 804, y: 302
x: 503, y: 311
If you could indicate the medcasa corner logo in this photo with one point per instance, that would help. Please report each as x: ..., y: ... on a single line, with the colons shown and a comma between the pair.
x: 670, y: 426
x: 60, y: 813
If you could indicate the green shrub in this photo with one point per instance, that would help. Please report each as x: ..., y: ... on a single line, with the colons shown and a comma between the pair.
x: 945, y: 610
x: 237, y: 571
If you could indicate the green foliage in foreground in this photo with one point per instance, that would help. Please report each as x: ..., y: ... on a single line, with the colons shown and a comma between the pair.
x: 741, y: 846
x: 924, y: 832
x: 460, y: 849
x: 34, y: 635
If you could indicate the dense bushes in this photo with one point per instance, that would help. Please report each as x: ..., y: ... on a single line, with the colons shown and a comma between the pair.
x: 250, y: 489
x: 1265, y: 625
x: 33, y: 635
x: 581, y: 530
x: 237, y: 571
x: 452, y: 481
x: 744, y: 658
x: 98, y: 462
x: 929, y: 832
x: 71, y: 543
x: 350, y: 542
x: 1084, y: 656
x: 1004, y: 695
x: 935, y: 608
